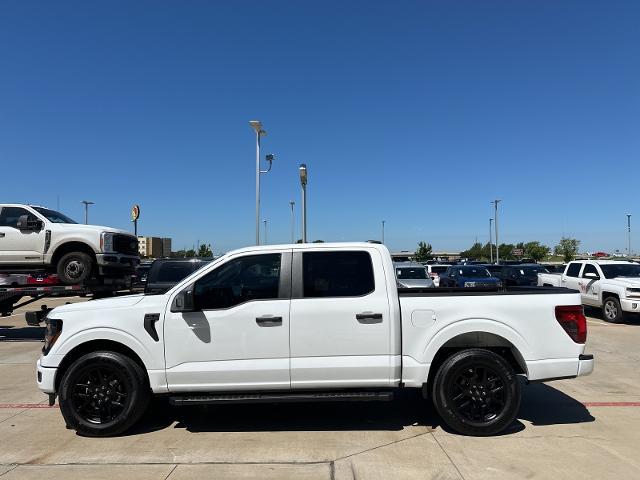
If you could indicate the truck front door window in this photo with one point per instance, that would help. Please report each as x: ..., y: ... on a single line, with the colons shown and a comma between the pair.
x: 9, y: 216
x: 254, y: 277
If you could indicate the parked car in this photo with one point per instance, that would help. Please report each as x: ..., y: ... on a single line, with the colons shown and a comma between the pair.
x: 612, y: 285
x: 139, y: 276
x: 166, y: 272
x: 468, y: 276
x: 42, y: 279
x: 519, y: 275
x: 308, y: 322
x: 554, y: 268
x: 33, y: 237
x: 412, y: 275
x: 435, y: 271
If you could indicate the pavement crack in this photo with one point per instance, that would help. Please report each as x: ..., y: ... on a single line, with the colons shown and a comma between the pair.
x: 10, y: 470
x: 448, y: 456
x: 382, y: 446
x: 172, y: 470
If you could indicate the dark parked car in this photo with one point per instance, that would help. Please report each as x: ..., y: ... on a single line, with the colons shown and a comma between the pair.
x: 468, y: 276
x: 167, y: 272
x: 139, y: 277
x: 519, y: 275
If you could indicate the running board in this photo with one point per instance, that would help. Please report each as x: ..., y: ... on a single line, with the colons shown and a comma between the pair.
x: 185, y: 400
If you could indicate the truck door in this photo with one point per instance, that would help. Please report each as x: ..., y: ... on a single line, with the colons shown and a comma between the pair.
x: 19, y: 246
x: 340, y: 320
x: 238, y: 336
x: 589, y: 285
x: 571, y: 277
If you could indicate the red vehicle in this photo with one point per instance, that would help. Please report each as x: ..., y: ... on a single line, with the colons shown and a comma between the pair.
x: 42, y: 279
x: 601, y: 254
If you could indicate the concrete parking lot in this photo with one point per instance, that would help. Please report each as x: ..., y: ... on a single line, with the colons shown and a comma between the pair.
x: 588, y: 427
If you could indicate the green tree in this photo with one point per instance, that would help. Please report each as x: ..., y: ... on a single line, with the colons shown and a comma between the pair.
x: 568, y: 247
x: 506, y: 251
x: 536, y: 250
x: 423, y: 253
x: 205, y: 251
x: 476, y: 252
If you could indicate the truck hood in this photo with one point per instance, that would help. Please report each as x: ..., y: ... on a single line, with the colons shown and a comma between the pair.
x: 625, y: 281
x: 78, y: 227
x: 105, y: 303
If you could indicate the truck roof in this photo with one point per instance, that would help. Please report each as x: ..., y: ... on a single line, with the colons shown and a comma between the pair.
x: 607, y: 262
x: 310, y: 246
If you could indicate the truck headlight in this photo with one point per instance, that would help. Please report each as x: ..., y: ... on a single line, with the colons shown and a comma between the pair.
x: 106, y: 242
x: 53, y: 329
x: 633, y: 292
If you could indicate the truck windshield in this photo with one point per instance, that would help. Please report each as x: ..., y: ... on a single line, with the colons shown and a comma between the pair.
x: 53, y: 216
x: 621, y: 270
x: 411, y: 273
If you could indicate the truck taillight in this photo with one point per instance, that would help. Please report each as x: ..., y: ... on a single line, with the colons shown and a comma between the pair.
x: 571, y: 318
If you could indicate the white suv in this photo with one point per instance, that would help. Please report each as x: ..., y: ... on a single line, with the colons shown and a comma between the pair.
x: 33, y: 238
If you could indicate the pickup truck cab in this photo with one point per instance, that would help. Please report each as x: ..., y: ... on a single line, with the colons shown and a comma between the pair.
x: 33, y: 237
x: 613, y: 286
x: 308, y: 322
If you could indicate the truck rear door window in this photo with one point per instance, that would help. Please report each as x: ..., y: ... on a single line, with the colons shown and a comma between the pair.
x: 574, y: 270
x: 337, y: 274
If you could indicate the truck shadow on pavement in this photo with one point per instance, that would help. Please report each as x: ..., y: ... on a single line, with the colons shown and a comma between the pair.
x: 12, y: 333
x: 541, y: 405
x: 628, y: 319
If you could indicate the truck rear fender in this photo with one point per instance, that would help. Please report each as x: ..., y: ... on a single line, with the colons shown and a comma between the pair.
x: 470, y: 333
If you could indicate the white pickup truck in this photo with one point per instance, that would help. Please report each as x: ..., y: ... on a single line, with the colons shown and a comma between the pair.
x: 611, y: 285
x: 309, y: 322
x: 33, y: 237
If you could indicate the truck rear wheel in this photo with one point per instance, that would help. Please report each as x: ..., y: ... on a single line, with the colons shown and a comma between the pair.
x: 103, y: 394
x: 74, y: 268
x: 476, y: 392
x: 611, y: 310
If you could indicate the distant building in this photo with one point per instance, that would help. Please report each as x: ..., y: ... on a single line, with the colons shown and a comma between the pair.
x: 154, y: 247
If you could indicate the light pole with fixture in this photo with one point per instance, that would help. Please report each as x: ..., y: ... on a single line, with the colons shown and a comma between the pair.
x: 293, y: 204
x: 383, y: 222
x: 490, y: 240
x: 260, y: 132
x: 303, y: 182
x: 495, y: 220
x: 86, y: 210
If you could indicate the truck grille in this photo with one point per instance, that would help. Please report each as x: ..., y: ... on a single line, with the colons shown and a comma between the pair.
x: 125, y: 244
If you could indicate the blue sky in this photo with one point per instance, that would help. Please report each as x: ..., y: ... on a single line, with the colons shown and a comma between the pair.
x: 417, y: 113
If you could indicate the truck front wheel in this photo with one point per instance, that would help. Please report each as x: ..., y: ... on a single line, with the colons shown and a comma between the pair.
x: 611, y: 310
x: 103, y: 394
x: 476, y: 392
x: 74, y: 268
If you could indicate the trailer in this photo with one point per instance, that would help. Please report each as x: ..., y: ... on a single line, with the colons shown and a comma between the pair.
x: 12, y: 298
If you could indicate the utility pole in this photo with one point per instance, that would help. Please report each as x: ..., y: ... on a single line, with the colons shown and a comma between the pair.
x: 629, y: 235
x: 495, y: 220
x: 293, y: 223
x: 86, y: 210
x: 260, y: 132
x: 265, y: 231
x: 490, y: 240
x: 303, y: 182
x: 383, y: 222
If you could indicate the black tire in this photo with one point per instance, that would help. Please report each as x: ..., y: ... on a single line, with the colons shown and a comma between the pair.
x: 103, y: 394
x: 612, y: 311
x: 474, y: 403
x: 74, y: 268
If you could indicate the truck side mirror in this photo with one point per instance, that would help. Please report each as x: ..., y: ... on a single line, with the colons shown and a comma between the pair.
x: 28, y: 223
x: 183, y: 301
x: 592, y: 275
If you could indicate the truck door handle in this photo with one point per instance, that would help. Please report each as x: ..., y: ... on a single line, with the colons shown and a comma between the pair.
x: 1, y: 235
x: 269, y: 321
x: 369, y: 317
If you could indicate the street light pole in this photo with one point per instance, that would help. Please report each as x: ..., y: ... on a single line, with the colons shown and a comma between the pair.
x: 293, y: 223
x: 383, y: 222
x: 260, y: 132
x: 629, y: 235
x: 303, y: 182
x: 86, y: 210
x: 490, y: 240
x: 495, y: 220
x: 265, y: 232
